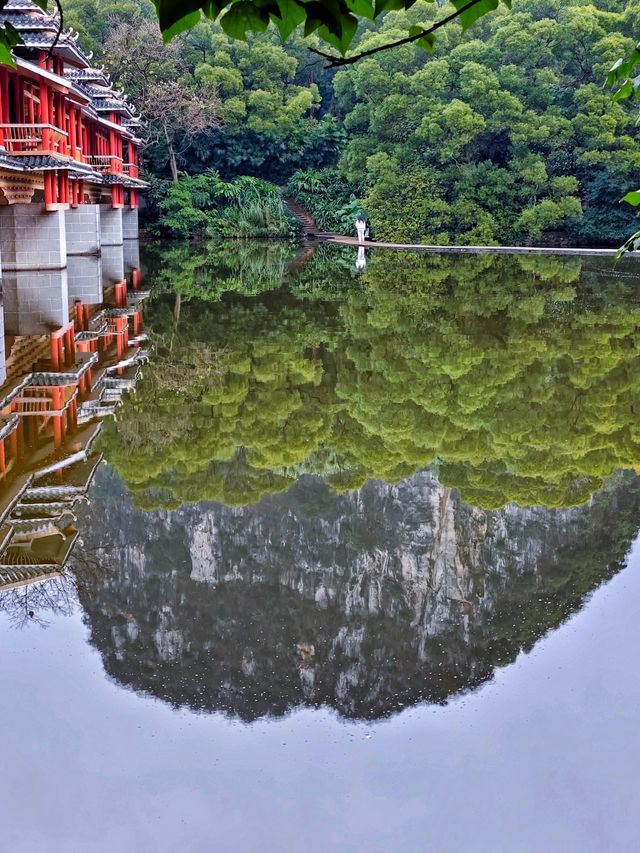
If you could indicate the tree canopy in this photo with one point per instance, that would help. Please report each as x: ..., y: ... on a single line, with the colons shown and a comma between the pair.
x: 505, y: 136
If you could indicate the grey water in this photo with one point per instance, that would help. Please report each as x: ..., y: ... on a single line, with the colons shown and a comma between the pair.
x: 358, y: 572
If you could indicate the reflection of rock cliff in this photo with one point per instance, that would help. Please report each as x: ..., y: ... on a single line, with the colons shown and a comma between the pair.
x: 366, y: 602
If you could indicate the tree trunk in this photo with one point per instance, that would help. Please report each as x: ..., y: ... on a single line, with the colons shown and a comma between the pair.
x: 172, y: 155
x: 172, y: 163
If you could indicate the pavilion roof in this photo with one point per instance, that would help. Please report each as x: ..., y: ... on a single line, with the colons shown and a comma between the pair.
x: 66, y: 47
x: 39, y: 31
x: 25, y: 21
x: 89, y: 75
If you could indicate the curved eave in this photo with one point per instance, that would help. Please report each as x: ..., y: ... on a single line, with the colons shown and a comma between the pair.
x: 49, y: 162
x: 89, y: 77
x: 90, y: 178
x: 113, y: 126
x: 9, y: 162
x: 65, y: 48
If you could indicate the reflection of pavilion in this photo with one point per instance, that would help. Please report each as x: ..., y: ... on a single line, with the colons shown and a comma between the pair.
x: 71, y: 349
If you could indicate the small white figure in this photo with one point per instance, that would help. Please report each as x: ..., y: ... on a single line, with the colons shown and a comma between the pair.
x: 361, y: 227
x: 361, y: 260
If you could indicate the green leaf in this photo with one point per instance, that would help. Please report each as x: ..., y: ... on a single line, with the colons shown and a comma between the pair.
x: 342, y: 41
x: 478, y: 10
x: 632, y: 198
x: 244, y: 17
x: 211, y: 9
x: 625, y: 91
x: 330, y: 14
x: 292, y: 14
x: 389, y: 6
x: 623, y: 67
x: 362, y: 8
x: 180, y: 26
x: 630, y: 245
x: 427, y: 42
x: 12, y: 36
x: 170, y: 12
x: 6, y: 57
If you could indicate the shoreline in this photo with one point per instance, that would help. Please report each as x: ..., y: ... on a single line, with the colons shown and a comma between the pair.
x: 473, y: 250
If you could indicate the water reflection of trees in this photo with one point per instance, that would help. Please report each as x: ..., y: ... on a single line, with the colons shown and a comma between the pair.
x: 518, y: 377
x: 39, y: 602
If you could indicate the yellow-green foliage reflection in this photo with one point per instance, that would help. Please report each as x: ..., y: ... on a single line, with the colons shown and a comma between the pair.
x: 518, y: 377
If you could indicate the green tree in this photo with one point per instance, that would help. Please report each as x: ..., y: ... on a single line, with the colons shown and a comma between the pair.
x: 509, y: 135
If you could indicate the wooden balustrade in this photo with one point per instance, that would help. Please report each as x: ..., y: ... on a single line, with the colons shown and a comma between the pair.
x: 33, y: 138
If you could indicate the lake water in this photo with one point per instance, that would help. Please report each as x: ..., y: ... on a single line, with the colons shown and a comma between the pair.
x: 358, y: 572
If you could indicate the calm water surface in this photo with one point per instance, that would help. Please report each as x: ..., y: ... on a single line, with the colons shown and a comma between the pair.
x: 359, y: 572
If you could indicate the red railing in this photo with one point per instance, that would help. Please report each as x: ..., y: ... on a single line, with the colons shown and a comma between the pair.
x: 32, y: 138
x: 105, y: 164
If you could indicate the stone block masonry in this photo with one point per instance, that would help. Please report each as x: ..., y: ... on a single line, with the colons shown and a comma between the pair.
x: 112, y: 264
x: 32, y: 238
x: 130, y: 223
x: 82, y: 225
x: 85, y: 279
x: 110, y: 225
x: 35, y: 302
x: 87, y: 239
x: 131, y: 256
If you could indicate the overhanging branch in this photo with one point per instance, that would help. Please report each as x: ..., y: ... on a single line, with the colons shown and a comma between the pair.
x: 339, y: 61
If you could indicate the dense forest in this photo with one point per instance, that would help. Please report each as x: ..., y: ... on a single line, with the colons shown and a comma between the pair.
x: 501, y: 134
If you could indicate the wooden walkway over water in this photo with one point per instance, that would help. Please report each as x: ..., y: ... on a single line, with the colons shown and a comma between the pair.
x: 311, y: 233
x: 469, y: 250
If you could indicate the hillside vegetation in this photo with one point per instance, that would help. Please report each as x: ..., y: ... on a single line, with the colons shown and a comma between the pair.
x: 502, y: 134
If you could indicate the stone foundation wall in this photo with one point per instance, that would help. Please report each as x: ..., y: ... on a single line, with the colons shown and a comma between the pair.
x: 85, y: 279
x: 110, y: 225
x: 112, y: 264
x: 35, y: 301
x: 130, y: 223
x: 131, y: 256
x: 82, y: 226
x: 32, y: 238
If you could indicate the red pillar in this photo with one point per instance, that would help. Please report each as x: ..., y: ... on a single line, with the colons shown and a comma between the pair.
x: 13, y: 444
x: 3, y: 460
x: 45, y: 112
x: 20, y: 439
x: 55, y: 352
x: 56, y: 400
x: 4, y: 94
x: 70, y: 346
x: 120, y: 294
